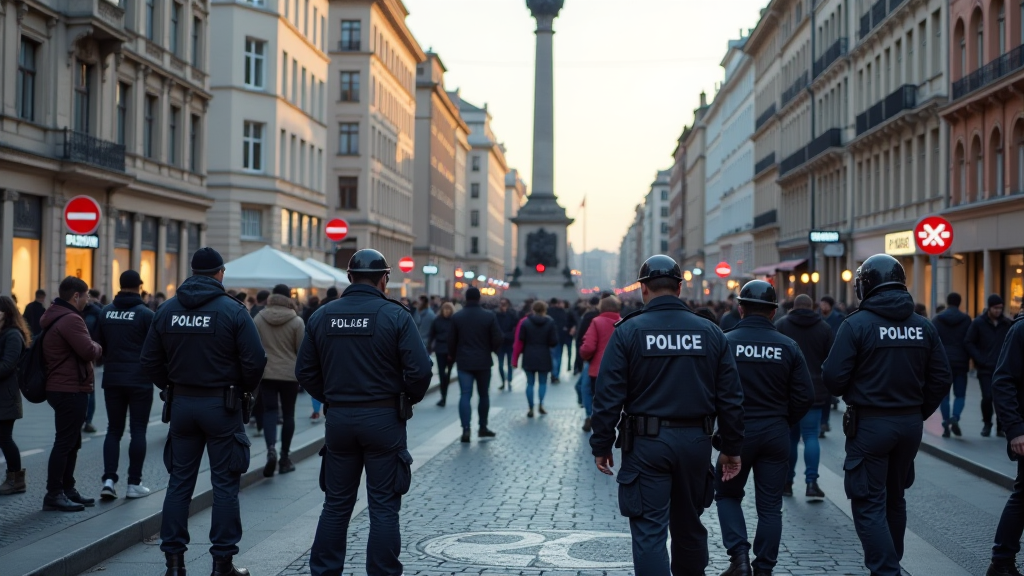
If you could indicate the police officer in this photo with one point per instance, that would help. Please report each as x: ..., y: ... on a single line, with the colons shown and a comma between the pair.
x: 777, y: 393
x: 890, y: 367
x: 123, y: 326
x: 672, y: 372
x: 1008, y: 391
x: 204, y: 351
x: 362, y: 356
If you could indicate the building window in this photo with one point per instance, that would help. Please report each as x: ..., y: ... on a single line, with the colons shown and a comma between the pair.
x: 348, y: 192
x: 172, y: 135
x: 474, y: 190
x: 193, y: 144
x: 303, y: 101
x: 664, y: 195
x: 197, y: 26
x: 350, y: 86
x: 252, y: 147
x: 295, y: 81
x: 474, y: 245
x: 664, y: 246
x: 476, y: 163
x: 175, y: 27
x: 254, y: 53
x: 316, y: 14
x: 284, y: 72
x: 151, y: 19
x: 305, y: 18
x: 27, y: 80
x: 664, y: 227
x: 123, y: 90
x: 664, y: 211
x: 474, y: 218
x: 348, y: 139
x: 83, y: 96
x: 981, y: 46
x: 149, y: 127
x: 252, y: 224
x: 351, y: 30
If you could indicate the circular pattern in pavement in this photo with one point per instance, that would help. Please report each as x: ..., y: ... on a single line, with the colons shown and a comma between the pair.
x: 579, y: 550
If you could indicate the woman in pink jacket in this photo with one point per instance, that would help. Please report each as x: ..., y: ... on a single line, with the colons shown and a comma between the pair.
x: 594, y: 342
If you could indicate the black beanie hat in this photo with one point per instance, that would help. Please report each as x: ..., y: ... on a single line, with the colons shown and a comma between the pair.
x: 207, y: 261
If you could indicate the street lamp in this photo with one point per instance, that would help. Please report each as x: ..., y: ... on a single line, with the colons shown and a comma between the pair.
x: 847, y: 275
x: 815, y: 277
x: 805, y: 278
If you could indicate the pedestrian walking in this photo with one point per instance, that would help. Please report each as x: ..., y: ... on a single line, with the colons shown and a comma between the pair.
x: 831, y: 316
x: 508, y: 320
x: 204, y: 352
x: 1008, y: 392
x: 424, y: 318
x: 69, y: 352
x: 363, y: 356
x: 586, y: 317
x: 814, y: 337
x: 568, y: 333
x: 439, y: 331
x: 261, y: 303
x: 127, y: 394
x: 952, y: 326
x: 889, y: 367
x: 672, y: 373
x: 560, y: 316
x: 34, y: 311
x: 14, y: 338
x: 473, y: 337
x: 777, y: 393
x: 91, y: 314
x: 731, y: 318
x: 595, y: 342
x: 984, y: 340
x: 281, y: 331
x: 538, y: 334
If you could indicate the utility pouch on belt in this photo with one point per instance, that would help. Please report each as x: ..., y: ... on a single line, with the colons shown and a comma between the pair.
x: 404, y: 407
x: 232, y: 399
x: 625, y: 439
x: 850, y: 422
x: 168, y: 397
x: 709, y: 425
x: 248, y: 403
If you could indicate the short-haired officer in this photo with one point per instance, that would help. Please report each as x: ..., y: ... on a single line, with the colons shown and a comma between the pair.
x: 890, y: 367
x: 362, y: 356
x: 204, y: 351
x: 1008, y: 390
x: 777, y: 393
x: 672, y: 372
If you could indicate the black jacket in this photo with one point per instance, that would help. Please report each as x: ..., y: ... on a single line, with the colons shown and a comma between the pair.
x: 507, y: 321
x: 814, y: 337
x: 203, y: 337
x: 1008, y: 383
x: 474, y: 336
x: 984, y: 341
x: 12, y: 344
x: 122, y: 332
x: 538, y: 335
x: 570, y: 324
x: 91, y: 314
x: 885, y: 356
x: 560, y: 316
x: 776, y: 383
x: 439, y: 330
x: 952, y: 326
x: 666, y: 361
x: 730, y: 320
x: 363, y: 347
x: 33, y: 312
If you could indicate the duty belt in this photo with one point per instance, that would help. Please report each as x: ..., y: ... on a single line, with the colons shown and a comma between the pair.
x: 651, y: 425
x: 388, y: 403
x: 874, y: 412
x: 199, y: 391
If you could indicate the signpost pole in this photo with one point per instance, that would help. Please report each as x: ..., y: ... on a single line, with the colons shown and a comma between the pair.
x: 935, y: 283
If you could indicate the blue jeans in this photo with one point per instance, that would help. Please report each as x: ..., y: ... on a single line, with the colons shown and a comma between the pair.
x: 505, y: 361
x: 587, y: 390
x: 807, y: 429
x: 959, y: 398
x: 556, y: 361
x: 316, y: 404
x: 530, y: 377
x: 483, y: 382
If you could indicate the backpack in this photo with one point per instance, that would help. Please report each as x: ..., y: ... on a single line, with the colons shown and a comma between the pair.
x: 32, y: 371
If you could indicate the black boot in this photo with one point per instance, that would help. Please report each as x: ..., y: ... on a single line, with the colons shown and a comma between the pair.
x: 986, y: 430
x: 285, y: 464
x: 739, y: 565
x: 268, y: 469
x: 175, y: 564
x: 77, y: 498
x: 222, y: 566
x: 1003, y: 568
x: 58, y: 502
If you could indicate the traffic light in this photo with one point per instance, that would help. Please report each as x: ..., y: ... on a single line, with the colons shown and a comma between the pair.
x: 541, y: 268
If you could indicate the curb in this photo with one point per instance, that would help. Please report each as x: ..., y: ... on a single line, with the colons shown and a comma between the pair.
x: 980, y: 470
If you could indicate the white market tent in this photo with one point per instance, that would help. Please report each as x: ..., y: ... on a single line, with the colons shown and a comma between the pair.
x: 266, y: 268
x: 340, y: 276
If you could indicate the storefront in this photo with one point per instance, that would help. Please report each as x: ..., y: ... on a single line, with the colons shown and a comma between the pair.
x: 901, y: 245
x: 26, y: 244
x: 988, y: 253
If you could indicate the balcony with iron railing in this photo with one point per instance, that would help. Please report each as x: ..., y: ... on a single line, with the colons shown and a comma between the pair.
x: 903, y: 98
x: 831, y: 138
x: 833, y: 53
x: 79, y: 147
x: 764, y: 163
x: 766, y: 218
x: 801, y: 82
x: 989, y: 73
x: 872, y: 18
x: 793, y: 161
x: 349, y: 45
x: 765, y: 116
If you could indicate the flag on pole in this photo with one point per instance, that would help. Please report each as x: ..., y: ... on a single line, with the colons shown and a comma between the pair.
x: 584, y: 203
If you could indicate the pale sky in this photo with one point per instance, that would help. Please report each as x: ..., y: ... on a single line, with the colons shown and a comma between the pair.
x: 628, y: 75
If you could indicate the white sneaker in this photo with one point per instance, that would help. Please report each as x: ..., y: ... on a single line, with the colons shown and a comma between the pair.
x: 108, y: 492
x: 137, y: 491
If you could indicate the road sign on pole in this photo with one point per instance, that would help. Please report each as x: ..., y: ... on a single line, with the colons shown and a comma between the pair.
x: 405, y: 264
x: 934, y: 235
x: 723, y: 270
x: 336, y: 230
x: 82, y: 215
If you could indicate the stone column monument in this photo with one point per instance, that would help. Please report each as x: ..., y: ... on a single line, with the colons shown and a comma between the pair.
x: 542, y: 266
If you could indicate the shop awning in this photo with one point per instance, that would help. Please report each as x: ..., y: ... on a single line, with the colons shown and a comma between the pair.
x: 764, y: 270
x: 789, y: 265
x: 266, y: 267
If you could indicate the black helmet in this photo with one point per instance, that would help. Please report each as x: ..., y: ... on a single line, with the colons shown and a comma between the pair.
x: 368, y: 261
x: 877, y: 272
x: 659, y: 266
x: 759, y: 292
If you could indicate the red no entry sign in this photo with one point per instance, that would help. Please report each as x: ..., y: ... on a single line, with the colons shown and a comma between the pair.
x: 82, y: 215
x: 723, y: 269
x: 405, y: 264
x: 336, y: 230
x: 934, y: 235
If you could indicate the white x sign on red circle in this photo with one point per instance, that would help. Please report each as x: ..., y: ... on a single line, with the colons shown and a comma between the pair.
x: 934, y: 235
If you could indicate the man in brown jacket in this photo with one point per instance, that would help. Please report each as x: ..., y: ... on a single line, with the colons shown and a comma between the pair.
x: 68, y: 351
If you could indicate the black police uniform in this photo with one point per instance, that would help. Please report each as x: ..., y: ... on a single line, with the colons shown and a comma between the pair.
x: 674, y: 369
x: 889, y: 366
x: 123, y: 326
x: 202, y: 344
x: 359, y: 354
x: 777, y: 393
x: 1008, y: 391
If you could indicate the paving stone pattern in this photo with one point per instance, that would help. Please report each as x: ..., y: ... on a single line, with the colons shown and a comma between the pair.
x: 537, y: 481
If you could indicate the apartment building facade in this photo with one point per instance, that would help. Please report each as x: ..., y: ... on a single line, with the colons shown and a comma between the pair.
x: 656, y: 216
x: 515, y: 196
x: 486, y: 169
x: 677, y: 198
x: 693, y: 208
